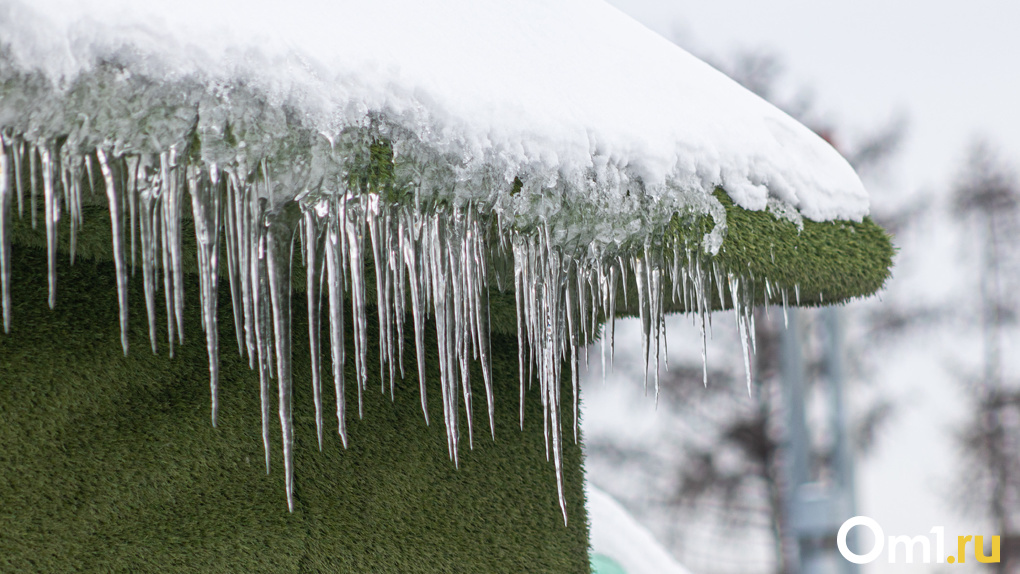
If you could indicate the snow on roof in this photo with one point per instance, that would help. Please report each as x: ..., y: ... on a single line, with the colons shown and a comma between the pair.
x: 530, y: 86
x: 570, y: 128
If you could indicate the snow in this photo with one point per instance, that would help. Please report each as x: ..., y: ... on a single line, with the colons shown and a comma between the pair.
x: 615, y: 533
x: 608, y: 129
x: 532, y: 86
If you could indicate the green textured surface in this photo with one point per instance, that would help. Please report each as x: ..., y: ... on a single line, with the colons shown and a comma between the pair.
x: 109, y: 463
x: 830, y: 261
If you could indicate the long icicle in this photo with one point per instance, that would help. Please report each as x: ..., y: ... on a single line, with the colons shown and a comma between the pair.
x: 335, y: 286
x: 51, y: 212
x: 113, y: 198
x: 206, y: 198
x: 313, y: 268
x: 280, y: 253
x: 262, y: 313
x: 5, y: 235
x: 148, y: 201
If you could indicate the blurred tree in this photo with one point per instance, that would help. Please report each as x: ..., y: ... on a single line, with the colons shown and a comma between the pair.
x: 986, y: 198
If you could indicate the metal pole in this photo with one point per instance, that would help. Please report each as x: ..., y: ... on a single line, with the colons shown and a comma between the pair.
x: 796, y: 439
x: 843, y: 461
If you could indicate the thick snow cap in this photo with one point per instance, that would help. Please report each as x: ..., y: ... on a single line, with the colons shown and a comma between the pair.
x: 567, y: 87
x: 560, y: 139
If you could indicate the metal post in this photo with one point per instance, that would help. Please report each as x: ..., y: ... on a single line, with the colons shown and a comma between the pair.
x: 843, y: 461
x: 796, y: 438
x: 814, y: 509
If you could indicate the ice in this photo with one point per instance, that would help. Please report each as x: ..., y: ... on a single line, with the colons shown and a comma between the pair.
x: 426, y: 259
x: 335, y: 255
x: 412, y: 171
x: 5, y: 234
x: 207, y: 188
x: 279, y: 256
x: 313, y: 266
x: 52, y: 213
x: 113, y: 198
x: 149, y: 231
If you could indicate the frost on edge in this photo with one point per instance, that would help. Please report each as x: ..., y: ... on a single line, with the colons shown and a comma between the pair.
x: 440, y: 230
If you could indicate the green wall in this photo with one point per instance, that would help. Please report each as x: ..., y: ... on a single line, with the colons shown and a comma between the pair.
x: 109, y: 463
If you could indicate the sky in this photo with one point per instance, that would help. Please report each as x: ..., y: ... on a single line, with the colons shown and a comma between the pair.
x: 950, y: 67
x: 951, y: 70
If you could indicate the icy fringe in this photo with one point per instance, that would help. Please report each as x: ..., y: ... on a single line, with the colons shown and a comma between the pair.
x: 430, y: 258
x: 427, y: 261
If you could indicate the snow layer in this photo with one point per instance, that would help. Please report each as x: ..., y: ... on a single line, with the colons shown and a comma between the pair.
x: 615, y: 533
x: 528, y: 86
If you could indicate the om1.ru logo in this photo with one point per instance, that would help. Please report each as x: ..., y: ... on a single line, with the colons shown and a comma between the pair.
x: 910, y: 545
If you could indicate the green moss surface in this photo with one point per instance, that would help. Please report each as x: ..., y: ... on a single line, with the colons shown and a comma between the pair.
x: 110, y: 464
x: 826, y: 262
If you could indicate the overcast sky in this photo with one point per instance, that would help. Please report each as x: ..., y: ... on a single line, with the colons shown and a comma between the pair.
x: 950, y: 66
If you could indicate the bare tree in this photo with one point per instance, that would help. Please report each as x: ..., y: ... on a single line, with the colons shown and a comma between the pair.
x: 986, y: 198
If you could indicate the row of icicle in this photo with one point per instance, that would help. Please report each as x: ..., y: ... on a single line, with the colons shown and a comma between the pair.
x: 427, y: 262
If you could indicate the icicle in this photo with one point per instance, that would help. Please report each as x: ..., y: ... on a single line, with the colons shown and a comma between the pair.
x: 32, y: 162
x: 262, y: 312
x: 113, y: 197
x: 51, y: 211
x: 373, y: 220
x: 355, y: 229
x: 239, y: 202
x: 205, y: 189
x: 163, y: 232
x: 232, y: 233
x: 148, y: 200
x: 573, y: 317
x: 130, y: 190
x: 520, y: 284
x: 644, y: 313
x: 459, y: 312
x: 169, y: 215
x: 551, y: 358
x: 17, y: 149
x: 335, y: 286
x: 742, y: 328
x: 477, y: 274
x: 71, y: 174
x: 5, y: 235
x: 437, y: 264
x: 611, y: 317
x: 786, y: 317
x: 655, y: 304
x: 313, y: 275
x: 280, y: 245
x: 407, y: 229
